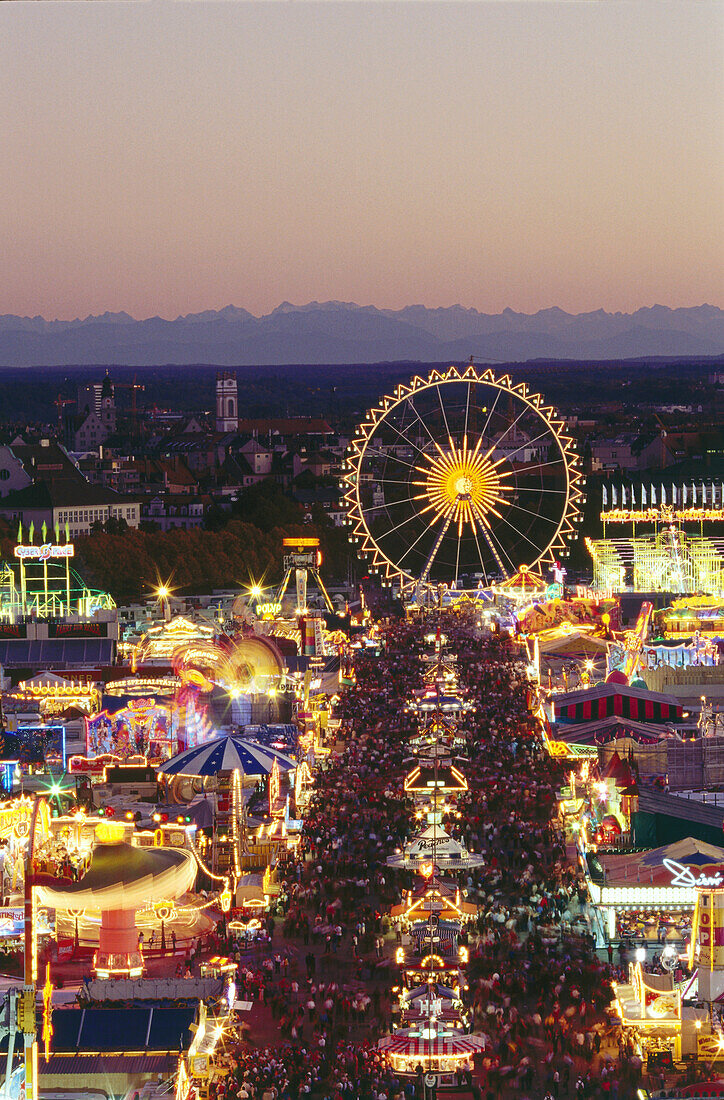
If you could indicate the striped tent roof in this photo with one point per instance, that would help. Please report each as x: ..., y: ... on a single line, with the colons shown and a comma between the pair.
x: 227, y: 754
x: 621, y: 700
x: 409, y: 1042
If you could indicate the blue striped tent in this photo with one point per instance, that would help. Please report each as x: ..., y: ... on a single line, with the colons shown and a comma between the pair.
x: 226, y: 754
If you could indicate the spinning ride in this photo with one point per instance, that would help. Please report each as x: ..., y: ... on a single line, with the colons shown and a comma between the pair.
x: 460, y: 478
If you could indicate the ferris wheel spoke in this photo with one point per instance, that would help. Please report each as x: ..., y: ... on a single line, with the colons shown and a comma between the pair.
x: 385, y: 455
x: 412, y: 546
x: 444, y: 415
x: 394, y: 481
x: 521, y: 534
x: 510, y: 427
x: 497, y: 540
x: 490, y: 414
x: 411, y: 403
x: 536, y: 515
x: 480, y: 554
x: 457, y: 559
x: 539, y: 489
x: 542, y: 465
x: 416, y: 515
x: 435, y: 547
x: 402, y: 435
x: 528, y: 443
x: 488, y: 536
x: 403, y: 500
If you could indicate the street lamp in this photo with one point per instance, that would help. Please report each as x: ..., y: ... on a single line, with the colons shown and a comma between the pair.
x: 163, y: 593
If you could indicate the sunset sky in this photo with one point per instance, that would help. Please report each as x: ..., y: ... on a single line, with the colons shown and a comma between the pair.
x: 165, y: 158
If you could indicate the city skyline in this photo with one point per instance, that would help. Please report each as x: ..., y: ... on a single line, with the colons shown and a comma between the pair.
x: 166, y: 159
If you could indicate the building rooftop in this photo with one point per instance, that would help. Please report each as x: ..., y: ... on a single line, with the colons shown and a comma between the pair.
x: 292, y: 425
x: 66, y: 493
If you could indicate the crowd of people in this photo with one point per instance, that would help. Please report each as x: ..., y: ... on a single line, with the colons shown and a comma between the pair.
x: 536, y: 992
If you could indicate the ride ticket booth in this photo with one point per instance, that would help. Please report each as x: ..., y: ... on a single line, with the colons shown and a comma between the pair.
x: 218, y: 966
x: 664, y: 1029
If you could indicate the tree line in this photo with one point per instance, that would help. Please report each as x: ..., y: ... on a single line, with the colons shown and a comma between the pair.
x: 241, y: 546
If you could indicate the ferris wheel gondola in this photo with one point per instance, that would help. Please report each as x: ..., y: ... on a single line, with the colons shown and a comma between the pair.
x: 461, y: 478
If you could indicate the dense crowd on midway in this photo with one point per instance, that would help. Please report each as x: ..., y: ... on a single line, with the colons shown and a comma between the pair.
x: 536, y: 993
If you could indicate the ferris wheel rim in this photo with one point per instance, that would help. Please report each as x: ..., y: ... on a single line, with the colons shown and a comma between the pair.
x: 532, y: 402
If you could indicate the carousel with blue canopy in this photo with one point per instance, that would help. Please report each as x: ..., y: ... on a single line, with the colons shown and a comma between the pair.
x: 227, y: 754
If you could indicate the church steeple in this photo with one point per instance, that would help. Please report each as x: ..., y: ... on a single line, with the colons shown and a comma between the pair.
x: 227, y: 402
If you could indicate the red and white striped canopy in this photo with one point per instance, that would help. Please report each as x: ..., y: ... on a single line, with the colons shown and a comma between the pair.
x: 411, y: 1045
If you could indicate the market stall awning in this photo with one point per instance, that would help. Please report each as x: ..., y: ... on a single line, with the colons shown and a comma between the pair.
x: 607, y: 699
x: 657, y: 867
x: 554, y: 643
x: 600, y: 731
x: 413, y: 1042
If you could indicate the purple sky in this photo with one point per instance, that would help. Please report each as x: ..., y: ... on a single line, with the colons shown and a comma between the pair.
x: 172, y: 157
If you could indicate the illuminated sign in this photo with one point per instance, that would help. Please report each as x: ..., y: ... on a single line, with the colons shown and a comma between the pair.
x: 684, y: 876
x: 60, y: 687
x: 47, y: 550
x: 13, y: 630
x: 143, y: 727
x: 665, y: 513
x: 199, y: 1065
x: 47, y: 1012
x: 595, y: 594
x: 268, y: 610
x: 301, y: 542
x: 78, y: 630
x: 15, y: 915
x: 557, y: 748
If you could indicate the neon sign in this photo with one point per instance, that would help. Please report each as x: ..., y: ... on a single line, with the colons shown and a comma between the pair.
x: 47, y: 550
x: 684, y: 876
x: 595, y: 594
x: 268, y: 610
x: 644, y: 515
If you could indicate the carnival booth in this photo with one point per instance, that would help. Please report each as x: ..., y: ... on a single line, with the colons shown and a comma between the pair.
x: 435, y: 844
x: 691, y: 616
x: 439, y: 1049
x: 427, y: 700
x: 227, y: 754
x: 441, y: 898
x: 440, y: 735
x: 665, y: 1030
x: 432, y: 998
x: 229, y: 768
x: 161, y: 641
x: 616, y: 699
x: 436, y: 936
x: 650, y: 896
x: 54, y: 695
x: 425, y: 782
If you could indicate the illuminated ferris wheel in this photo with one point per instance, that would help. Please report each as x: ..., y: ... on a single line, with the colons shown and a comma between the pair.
x: 461, y: 478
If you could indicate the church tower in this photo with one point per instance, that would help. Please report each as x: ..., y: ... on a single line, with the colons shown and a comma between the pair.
x: 227, y: 402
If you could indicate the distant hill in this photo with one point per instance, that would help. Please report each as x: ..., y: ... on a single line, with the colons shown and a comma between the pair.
x: 342, y: 332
